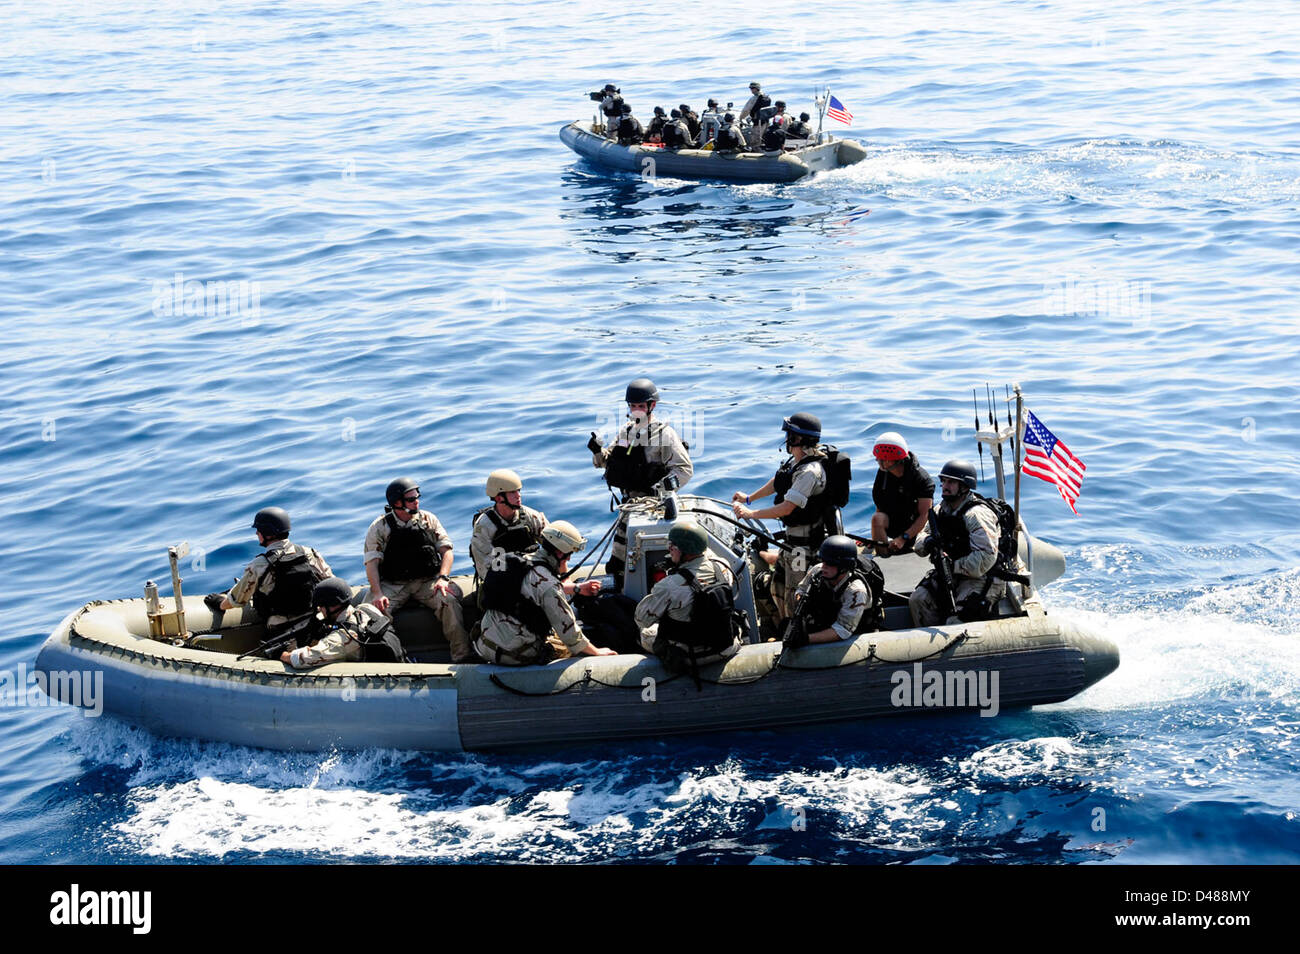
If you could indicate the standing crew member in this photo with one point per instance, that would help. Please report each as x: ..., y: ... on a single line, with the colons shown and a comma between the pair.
x: 758, y: 100
x: 524, y: 604
x: 801, y: 504
x: 687, y: 619
x: 903, y: 494
x: 832, y: 598
x: 408, y: 556
x: 279, y: 582
x: 643, y: 453
x: 968, y: 535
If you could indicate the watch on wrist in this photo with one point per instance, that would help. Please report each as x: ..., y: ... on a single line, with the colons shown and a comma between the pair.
x: 907, y: 537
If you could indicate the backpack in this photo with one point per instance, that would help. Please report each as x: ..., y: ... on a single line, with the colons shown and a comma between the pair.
x: 869, y: 572
x: 839, y: 472
x: 1008, y: 538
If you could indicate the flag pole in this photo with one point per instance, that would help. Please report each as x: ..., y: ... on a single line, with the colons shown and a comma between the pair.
x: 1018, y: 446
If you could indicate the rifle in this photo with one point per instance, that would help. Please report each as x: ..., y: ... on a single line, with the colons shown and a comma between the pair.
x: 940, y: 561
x: 309, y: 625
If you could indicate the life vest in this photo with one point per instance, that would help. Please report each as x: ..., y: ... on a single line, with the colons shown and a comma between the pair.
x: 773, y: 138
x: 821, y: 607
x: 729, y: 138
x: 502, y: 593
x: 410, y: 554
x: 692, y: 120
x: 954, y: 538
x: 628, y: 469
x: 377, y: 645
x: 294, y: 581
x: 799, y: 130
x: 815, y: 509
x: 677, y: 135
x: 522, y: 535
x: 761, y: 101
x: 713, y: 623
x: 629, y: 131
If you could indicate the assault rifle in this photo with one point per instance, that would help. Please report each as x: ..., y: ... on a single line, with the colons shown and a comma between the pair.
x: 309, y: 627
x: 942, y: 568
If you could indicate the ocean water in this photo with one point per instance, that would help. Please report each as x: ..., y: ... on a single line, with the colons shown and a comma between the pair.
x: 1098, y: 201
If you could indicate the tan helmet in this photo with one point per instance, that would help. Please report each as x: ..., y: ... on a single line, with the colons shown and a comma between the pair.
x: 563, y: 536
x: 502, y: 482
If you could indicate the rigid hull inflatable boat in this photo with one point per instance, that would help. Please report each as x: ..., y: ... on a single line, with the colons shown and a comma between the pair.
x: 654, y: 160
x: 191, y: 683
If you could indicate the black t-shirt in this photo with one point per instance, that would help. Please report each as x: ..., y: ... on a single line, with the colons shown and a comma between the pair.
x: 897, y: 496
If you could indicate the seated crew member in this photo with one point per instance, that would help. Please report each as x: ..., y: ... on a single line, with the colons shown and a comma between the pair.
x: 710, y: 123
x: 347, y: 629
x: 692, y: 120
x: 676, y: 134
x: 408, y: 556
x: 773, y: 138
x: 968, y: 535
x: 508, y: 526
x: 524, y: 604
x: 801, y: 505
x: 730, y: 138
x: 655, y: 131
x: 832, y: 598
x: 279, y: 581
x: 799, y: 128
x: 629, y: 128
x: 903, y: 494
x: 643, y: 453
x: 680, y: 620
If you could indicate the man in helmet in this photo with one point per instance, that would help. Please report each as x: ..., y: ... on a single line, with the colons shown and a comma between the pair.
x: 832, y: 598
x: 654, y: 132
x: 676, y: 133
x: 611, y: 105
x: 710, y: 123
x: 730, y: 138
x: 279, y: 581
x: 903, y: 494
x: 752, y: 110
x: 643, y: 453
x: 629, y: 131
x: 968, y: 531
x: 524, y: 604
x: 508, y: 526
x: 692, y: 120
x: 408, y: 556
x: 348, y: 629
x: 686, y: 619
x: 800, y: 128
x: 801, y: 504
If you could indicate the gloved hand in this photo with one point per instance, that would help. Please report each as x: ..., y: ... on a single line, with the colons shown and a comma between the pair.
x: 594, y: 444
x: 213, y: 601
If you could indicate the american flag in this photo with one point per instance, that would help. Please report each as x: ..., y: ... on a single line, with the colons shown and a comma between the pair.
x: 835, y: 110
x: 1049, y: 459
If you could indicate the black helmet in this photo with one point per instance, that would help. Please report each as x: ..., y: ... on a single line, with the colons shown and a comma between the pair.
x: 961, y: 470
x: 713, y: 103
x: 611, y: 88
x: 659, y: 110
x: 676, y: 114
x: 272, y: 521
x: 729, y: 118
x: 755, y: 85
x: 399, y: 488
x: 641, y: 391
x: 331, y: 591
x: 684, y: 108
x: 804, y: 425
x: 805, y: 117
x: 838, y: 551
x: 779, y: 104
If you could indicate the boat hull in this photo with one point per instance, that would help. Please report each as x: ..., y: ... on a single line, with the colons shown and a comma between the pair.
x: 706, y: 164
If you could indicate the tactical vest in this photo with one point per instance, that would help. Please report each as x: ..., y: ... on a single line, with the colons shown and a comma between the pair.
x: 502, y: 593
x: 762, y: 102
x: 811, y: 513
x: 773, y: 138
x: 729, y: 138
x: 712, y: 625
x: 799, y: 130
x: 294, y: 581
x: 628, y: 469
x: 692, y: 120
x: 821, y: 607
x: 520, y: 536
x: 411, y: 553
x: 677, y: 135
x: 381, y: 645
x: 954, y: 538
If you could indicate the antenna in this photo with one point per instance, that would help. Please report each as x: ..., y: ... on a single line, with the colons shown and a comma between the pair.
x: 976, y: 401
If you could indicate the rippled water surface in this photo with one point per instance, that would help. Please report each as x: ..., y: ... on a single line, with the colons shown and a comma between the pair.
x: 1098, y: 201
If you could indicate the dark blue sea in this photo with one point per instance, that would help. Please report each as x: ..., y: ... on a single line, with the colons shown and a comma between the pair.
x: 404, y: 271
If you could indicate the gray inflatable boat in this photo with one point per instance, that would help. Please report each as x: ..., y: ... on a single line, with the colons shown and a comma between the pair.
x: 193, y: 684
x: 650, y: 160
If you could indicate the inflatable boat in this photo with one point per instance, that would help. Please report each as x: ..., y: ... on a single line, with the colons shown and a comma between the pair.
x: 652, y: 160
x: 173, y: 667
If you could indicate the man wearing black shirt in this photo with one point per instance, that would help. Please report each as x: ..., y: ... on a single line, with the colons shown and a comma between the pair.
x: 903, y: 494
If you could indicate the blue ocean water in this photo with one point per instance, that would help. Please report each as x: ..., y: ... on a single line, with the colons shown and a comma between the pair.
x: 1097, y: 200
